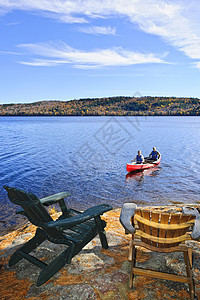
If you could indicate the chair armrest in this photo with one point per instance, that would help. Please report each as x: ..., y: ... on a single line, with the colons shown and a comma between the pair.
x: 196, y: 228
x: 54, y: 198
x: 128, y: 210
x: 48, y: 201
x: 86, y: 215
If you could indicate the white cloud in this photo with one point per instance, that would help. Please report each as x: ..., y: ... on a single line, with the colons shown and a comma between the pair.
x: 99, y: 30
x: 71, y: 19
x: 43, y: 63
x: 197, y: 65
x: 13, y: 23
x: 10, y: 52
x: 52, y: 54
x: 176, y: 22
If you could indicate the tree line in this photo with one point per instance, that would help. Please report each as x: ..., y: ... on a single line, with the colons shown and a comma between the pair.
x: 109, y: 106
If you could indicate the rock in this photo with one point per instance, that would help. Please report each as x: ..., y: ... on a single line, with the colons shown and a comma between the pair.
x: 95, y: 274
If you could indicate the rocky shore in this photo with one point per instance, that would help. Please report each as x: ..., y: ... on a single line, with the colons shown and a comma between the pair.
x: 94, y: 273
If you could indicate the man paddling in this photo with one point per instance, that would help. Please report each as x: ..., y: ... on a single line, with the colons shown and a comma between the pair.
x: 139, y: 159
x: 155, y: 154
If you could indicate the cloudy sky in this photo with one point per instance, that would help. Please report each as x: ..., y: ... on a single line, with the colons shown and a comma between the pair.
x: 58, y: 49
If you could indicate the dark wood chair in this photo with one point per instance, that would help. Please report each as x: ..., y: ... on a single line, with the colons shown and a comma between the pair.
x: 72, y: 228
x: 162, y: 232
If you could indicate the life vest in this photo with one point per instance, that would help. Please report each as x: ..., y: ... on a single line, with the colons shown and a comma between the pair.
x: 139, y: 159
x: 154, y: 154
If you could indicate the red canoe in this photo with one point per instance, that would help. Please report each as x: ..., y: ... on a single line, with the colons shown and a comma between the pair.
x: 139, y: 167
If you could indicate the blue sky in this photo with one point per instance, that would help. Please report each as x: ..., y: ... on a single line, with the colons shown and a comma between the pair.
x: 64, y: 50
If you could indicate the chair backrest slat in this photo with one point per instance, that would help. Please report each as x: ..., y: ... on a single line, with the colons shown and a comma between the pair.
x: 155, y: 231
x: 140, y: 225
x: 164, y: 220
x: 175, y: 219
x: 146, y: 214
x: 31, y: 204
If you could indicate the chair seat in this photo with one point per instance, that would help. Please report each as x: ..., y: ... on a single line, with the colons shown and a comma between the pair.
x: 79, y: 232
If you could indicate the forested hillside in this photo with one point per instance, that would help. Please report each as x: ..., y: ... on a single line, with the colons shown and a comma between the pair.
x: 112, y: 106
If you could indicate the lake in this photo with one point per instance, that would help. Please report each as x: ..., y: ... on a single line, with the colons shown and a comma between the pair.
x: 87, y: 156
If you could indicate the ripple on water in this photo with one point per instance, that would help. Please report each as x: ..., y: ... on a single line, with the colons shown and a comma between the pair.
x: 48, y: 155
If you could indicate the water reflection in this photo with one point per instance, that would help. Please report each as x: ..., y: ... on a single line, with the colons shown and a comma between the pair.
x: 139, y: 176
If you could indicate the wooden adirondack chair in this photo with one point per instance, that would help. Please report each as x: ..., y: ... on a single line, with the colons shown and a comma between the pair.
x: 73, y: 229
x: 162, y: 232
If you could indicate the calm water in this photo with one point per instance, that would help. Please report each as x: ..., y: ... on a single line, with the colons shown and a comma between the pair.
x: 87, y: 156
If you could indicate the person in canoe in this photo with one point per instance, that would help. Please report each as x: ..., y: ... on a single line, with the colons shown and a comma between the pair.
x: 154, y: 155
x: 139, y: 159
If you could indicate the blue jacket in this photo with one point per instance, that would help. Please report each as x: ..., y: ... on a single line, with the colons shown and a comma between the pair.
x: 154, y: 154
x: 139, y: 159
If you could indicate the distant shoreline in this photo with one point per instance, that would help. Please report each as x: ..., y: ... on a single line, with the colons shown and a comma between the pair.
x: 111, y: 106
x: 53, y: 116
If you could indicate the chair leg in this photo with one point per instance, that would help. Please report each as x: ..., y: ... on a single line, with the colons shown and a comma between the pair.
x: 190, y: 256
x: 102, y: 235
x: 55, y: 266
x: 132, y: 257
x: 33, y: 243
x: 130, y: 252
x: 188, y: 264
